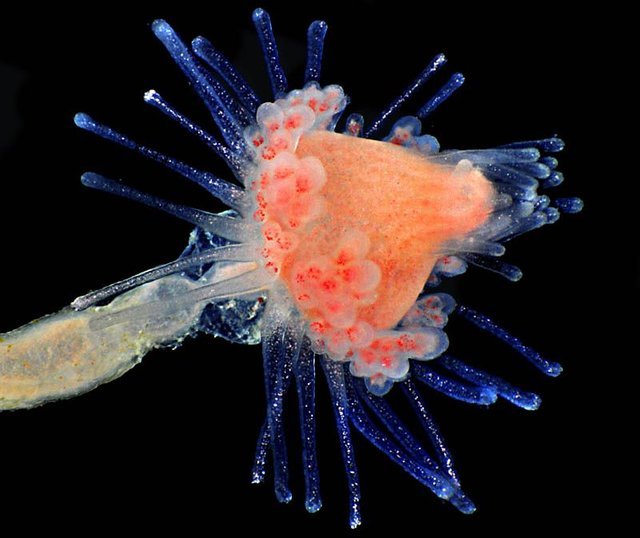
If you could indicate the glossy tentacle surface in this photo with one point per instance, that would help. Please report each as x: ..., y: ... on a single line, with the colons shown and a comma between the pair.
x: 232, y: 279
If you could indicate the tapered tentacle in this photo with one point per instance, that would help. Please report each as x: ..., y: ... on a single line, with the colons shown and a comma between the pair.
x: 259, y: 468
x: 241, y: 253
x: 487, y: 324
x: 508, y: 271
x: 425, y: 75
x: 277, y: 78
x: 523, y: 399
x: 246, y: 282
x: 459, y: 499
x: 227, y: 193
x: 234, y: 229
x: 440, y: 485
x: 221, y: 65
x: 230, y: 128
x: 280, y: 350
x: 441, y: 95
x: 334, y: 373
x: 382, y: 410
x: 232, y: 160
x: 452, y: 388
x: 315, y: 46
x: 304, y: 370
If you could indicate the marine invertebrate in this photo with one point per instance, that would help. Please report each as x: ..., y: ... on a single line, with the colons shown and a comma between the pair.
x: 325, y: 252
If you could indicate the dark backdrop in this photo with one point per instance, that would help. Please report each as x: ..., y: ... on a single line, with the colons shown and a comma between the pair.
x: 170, y: 444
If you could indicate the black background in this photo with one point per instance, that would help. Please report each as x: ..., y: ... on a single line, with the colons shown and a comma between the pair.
x: 169, y: 445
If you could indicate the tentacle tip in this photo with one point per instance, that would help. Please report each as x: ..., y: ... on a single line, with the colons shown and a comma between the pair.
x: 161, y: 28
x: 555, y: 144
x: 149, y: 95
x: 313, y: 505
x: 355, y: 521
x: 569, y: 205
x: 319, y: 25
x: 514, y: 275
x: 82, y: 120
x: 259, y: 14
x: 89, y: 179
x: 457, y: 79
x: 488, y: 396
x: 463, y: 503
x: 283, y: 495
x: 553, y: 369
x: 76, y: 304
x: 532, y: 403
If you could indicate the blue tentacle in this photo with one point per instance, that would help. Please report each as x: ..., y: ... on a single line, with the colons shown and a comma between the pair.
x: 334, y: 373
x: 304, y: 370
x: 277, y: 78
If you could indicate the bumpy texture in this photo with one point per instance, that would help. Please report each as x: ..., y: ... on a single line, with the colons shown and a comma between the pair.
x: 323, y: 256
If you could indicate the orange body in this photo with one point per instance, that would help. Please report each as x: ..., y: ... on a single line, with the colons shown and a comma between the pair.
x: 407, y: 206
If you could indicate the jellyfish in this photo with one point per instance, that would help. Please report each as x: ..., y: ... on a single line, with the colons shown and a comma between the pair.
x: 337, y: 236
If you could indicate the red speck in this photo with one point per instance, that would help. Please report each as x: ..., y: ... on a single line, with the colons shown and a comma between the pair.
x: 283, y: 172
x: 324, y: 106
x: 312, y: 104
x: 348, y: 274
x: 303, y: 297
x: 318, y: 327
x: 284, y: 243
x: 280, y: 143
x: 342, y: 258
x: 257, y: 141
x: 268, y: 153
x: 406, y: 342
x: 293, y: 121
x: 329, y: 285
x: 303, y: 184
x: 387, y: 361
x: 386, y: 346
x: 367, y: 355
